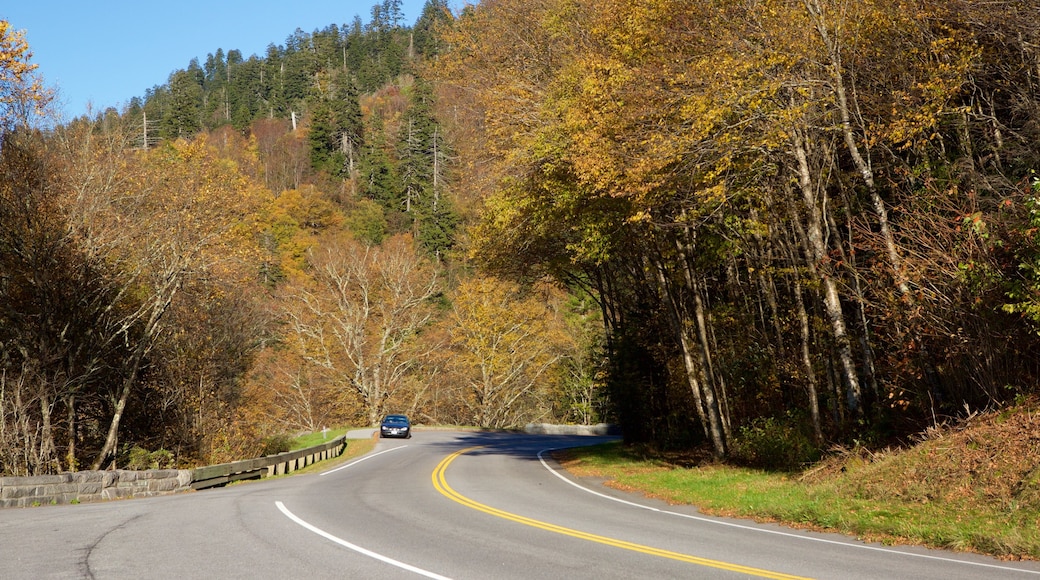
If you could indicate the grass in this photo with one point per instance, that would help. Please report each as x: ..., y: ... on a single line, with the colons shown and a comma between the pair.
x: 317, y: 438
x: 355, y: 448
x: 973, y: 488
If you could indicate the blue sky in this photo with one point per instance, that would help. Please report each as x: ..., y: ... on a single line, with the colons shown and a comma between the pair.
x: 107, y: 52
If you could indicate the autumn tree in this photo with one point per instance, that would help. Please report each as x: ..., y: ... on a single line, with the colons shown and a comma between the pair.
x: 22, y: 93
x: 203, y: 206
x: 507, y: 347
x: 721, y: 175
x: 359, y: 320
x: 51, y: 300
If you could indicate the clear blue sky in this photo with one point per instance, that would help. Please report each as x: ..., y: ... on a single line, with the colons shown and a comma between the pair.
x: 107, y: 52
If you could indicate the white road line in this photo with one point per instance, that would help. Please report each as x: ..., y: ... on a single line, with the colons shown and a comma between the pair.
x: 356, y: 548
x: 775, y: 532
x: 362, y: 459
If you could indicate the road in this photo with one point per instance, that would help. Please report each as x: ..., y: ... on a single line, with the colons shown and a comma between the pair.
x: 461, y: 505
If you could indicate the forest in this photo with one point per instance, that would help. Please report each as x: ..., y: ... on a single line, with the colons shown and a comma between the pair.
x: 760, y: 228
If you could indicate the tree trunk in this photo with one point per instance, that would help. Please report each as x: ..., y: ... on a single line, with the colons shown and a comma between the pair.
x: 715, y: 391
x: 112, y: 438
x: 863, y: 164
x: 70, y: 455
x: 818, y: 264
x: 145, y: 341
x: 694, y: 362
x: 810, y: 372
x: 48, y: 460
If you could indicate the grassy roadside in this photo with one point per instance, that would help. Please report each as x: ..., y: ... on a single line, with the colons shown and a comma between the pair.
x: 355, y: 448
x: 972, y: 488
x: 317, y: 438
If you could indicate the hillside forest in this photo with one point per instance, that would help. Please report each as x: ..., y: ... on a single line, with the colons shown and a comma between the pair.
x: 759, y: 228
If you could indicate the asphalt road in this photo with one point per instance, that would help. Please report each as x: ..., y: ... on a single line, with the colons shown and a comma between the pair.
x: 458, y: 505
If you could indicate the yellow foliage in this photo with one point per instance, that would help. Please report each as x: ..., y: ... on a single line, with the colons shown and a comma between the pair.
x: 19, y: 88
x: 505, y: 345
x: 295, y: 220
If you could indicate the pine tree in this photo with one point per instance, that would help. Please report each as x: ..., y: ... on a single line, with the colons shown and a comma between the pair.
x: 435, y: 14
x: 423, y: 154
x: 379, y: 179
x: 322, y: 140
x: 184, y: 116
x: 346, y: 109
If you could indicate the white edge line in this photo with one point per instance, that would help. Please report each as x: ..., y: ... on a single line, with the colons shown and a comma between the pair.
x: 362, y: 459
x: 357, y: 549
x: 775, y: 532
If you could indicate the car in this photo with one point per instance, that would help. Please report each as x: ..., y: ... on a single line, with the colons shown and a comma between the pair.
x: 395, y: 426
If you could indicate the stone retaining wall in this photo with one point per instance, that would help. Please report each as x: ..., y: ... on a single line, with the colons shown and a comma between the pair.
x: 551, y: 429
x: 90, y: 486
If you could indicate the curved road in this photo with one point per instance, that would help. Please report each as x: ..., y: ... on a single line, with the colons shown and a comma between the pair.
x: 442, y: 505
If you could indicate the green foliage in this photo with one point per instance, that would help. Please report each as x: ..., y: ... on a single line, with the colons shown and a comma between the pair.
x: 367, y: 222
x: 323, y: 141
x: 229, y: 88
x: 275, y: 444
x: 184, y: 116
x: 436, y: 15
x: 379, y: 179
x: 139, y: 458
x: 782, y: 444
x: 1024, y: 289
x: 317, y: 438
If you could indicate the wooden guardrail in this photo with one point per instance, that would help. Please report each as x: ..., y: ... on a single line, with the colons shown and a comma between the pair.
x: 288, y: 462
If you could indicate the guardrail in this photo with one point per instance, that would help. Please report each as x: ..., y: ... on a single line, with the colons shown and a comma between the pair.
x: 267, y: 466
x: 91, y: 486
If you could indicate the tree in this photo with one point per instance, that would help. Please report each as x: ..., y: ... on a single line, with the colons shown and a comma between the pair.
x: 336, y: 126
x: 21, y: 93
x: 379, y: 179
x: 360, y: 319
x: 201, y: 205
x: 184, y: 118
x: 52, y: 299
x: 436, y: 14
x: 506, y: 347
x: 423, y: 153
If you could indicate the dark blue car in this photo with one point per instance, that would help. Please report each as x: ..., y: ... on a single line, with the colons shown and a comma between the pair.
x: 395, y: 426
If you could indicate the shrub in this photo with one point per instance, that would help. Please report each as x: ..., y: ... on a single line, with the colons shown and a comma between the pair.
x: 274, y: 444
x: 773, y: 443
x: 140, y: 458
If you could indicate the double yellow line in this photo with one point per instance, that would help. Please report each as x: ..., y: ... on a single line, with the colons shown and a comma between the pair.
x: 441, y: 484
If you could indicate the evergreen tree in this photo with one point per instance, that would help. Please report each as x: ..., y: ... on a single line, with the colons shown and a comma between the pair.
x: 322, y: 141
x: 184, y: 115
x: 435, y: 14
x: 216, y: 107
x: 335, y: 135
x: 423, y: 155
x: 437, y: 221
x: 238, y: 91
x: 416, y: 145
x: 379, y: 179
x: 346, y: 110
x: 246, y: 91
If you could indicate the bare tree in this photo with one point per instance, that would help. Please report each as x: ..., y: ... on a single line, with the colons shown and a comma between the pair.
x: 361, y: 319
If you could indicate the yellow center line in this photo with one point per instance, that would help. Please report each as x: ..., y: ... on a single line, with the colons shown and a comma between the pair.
x: 441, y: 484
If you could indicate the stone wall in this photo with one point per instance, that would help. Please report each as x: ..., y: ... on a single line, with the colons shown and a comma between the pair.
x: 551, y: 429
x: 90, y: 486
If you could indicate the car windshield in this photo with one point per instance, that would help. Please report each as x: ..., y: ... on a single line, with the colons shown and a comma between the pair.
x: 396, y: 419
